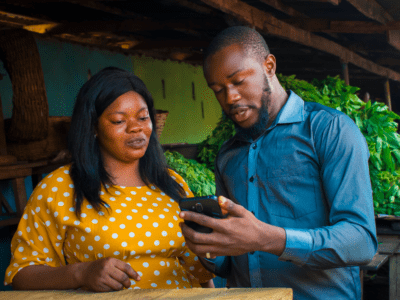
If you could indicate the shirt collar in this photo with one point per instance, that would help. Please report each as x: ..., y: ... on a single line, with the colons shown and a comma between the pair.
x: 292, y: 111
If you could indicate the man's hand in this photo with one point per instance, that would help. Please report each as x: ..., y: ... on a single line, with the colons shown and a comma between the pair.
x: 240, y: 233
x: 105, y: 275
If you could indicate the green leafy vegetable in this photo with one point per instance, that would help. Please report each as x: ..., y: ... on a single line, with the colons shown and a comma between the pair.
x: 200, y: 179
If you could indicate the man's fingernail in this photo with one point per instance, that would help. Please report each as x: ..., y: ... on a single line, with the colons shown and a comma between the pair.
x: 182, y: 214
x: 222, y: 199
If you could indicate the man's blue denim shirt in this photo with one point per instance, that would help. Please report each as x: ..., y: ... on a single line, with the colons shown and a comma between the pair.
x: 307, y: 173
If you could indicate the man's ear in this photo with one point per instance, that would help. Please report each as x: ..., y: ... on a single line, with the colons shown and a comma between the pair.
x: 270, y: 65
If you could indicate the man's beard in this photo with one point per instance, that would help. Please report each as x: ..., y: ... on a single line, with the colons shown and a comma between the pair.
x: 263, y: 117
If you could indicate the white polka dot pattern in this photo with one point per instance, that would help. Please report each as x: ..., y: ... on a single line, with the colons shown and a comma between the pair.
x: 140, y: 227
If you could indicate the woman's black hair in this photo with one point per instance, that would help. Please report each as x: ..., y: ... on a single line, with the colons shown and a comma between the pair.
x: 87, y: 169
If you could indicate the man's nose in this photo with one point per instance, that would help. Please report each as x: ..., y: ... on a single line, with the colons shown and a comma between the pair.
x: 232, y: 95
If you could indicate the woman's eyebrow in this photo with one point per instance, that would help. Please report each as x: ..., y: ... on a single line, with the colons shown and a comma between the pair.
x: 122, y: 112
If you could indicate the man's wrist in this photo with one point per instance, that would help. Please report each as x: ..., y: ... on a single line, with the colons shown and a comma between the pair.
x: 272, y: 239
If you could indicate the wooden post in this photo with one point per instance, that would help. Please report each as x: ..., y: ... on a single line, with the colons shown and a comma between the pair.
x: 387, y: 94
x: 345, y: 72
x: 366, y: 97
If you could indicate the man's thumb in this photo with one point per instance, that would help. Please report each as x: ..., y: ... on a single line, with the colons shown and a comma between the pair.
x: 225, y: 204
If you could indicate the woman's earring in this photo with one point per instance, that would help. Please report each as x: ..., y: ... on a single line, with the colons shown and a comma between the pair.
x: 95, y: 135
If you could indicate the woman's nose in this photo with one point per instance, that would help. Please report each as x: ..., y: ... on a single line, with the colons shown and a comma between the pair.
x: 133, y: 126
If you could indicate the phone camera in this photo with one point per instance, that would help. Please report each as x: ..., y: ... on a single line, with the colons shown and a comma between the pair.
x: 199, y: 207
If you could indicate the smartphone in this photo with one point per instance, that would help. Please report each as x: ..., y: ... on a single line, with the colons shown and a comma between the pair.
x: 207, y: 205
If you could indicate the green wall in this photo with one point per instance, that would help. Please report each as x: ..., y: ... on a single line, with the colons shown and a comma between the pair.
x: 185, y: 122
x: 65, y: 68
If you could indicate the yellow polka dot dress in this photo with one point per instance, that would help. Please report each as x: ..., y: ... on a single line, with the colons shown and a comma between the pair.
x: 141, y: 228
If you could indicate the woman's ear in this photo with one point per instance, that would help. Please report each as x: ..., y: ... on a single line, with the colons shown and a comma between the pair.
x: 270, y: 65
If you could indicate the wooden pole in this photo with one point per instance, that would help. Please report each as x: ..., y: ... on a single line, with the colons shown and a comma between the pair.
x: 387, y: 94
x: 366, y: 97
x: 345, y: 72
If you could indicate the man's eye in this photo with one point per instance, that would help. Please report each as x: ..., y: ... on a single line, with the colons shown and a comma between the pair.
x: 217, y: 91
x: 117, y: 122
x: 239, y: 82
x: 144, y: 118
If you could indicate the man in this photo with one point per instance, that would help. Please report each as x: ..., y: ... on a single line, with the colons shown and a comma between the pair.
x: 301, y: 210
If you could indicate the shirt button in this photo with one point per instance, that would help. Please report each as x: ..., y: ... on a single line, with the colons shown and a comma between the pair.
x: 251, y: 178
x: 255, y: 146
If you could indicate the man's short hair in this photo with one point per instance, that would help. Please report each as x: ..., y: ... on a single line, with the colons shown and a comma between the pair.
x: 252, y: 42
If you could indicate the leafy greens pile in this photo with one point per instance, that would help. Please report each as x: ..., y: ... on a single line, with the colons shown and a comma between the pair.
x: 374, y: 120
x: 200, y: 179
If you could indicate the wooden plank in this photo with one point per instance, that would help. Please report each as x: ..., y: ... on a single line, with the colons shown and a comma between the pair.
x: 333, y: 26
x: 372, y: 9
x: 394, y: 277
x: 378, y: 261
x: 393, y: 38
x: 268, y: 24
x: 345, y: 72
x: 388, y: 97
x: 19, y: 195
x: 140, y: 294
x: 9, y: 221
x: 334, y: 2
x: 279, y: 5
x: 388, y: 244
x: 3, y: 145
x: 14, y: 173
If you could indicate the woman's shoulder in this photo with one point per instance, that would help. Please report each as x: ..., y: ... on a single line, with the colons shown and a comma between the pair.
x: 175, y: 176
x: 53, y: 194
x: 59, y: 176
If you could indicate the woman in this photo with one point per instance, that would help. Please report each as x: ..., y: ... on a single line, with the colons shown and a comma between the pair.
x: 109, y: 220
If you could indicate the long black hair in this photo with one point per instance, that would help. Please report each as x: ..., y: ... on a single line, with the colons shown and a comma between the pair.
x: 87, y: 168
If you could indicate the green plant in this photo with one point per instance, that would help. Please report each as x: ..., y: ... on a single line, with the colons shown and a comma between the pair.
x: 210, y: 146
x: 374, y: 120
x: 200, y: 179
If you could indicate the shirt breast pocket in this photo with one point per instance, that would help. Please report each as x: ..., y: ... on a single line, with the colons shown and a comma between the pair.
x: 291, y: 191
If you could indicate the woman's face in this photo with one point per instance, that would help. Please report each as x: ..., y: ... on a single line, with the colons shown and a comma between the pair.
x: 124, y: 129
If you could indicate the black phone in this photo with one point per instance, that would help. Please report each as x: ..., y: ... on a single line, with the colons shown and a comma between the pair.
x: 207, y: 205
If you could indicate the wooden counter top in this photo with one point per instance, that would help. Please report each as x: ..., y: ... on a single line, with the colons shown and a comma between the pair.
x: 153, y: 294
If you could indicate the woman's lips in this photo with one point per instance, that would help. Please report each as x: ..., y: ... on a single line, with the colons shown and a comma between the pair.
x: 136, y: 143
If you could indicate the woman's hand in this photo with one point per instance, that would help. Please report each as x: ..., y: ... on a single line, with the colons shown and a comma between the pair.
x: 208, y: 285
x: 105, y: 275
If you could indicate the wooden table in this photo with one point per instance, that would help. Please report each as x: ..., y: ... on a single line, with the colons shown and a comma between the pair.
x: 153, y: 294
x: 388, y: 249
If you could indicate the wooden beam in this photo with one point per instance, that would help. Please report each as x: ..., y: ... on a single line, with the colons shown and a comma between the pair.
x: 334, y: 2
x: 269, y: 25
x: 279, y: 5
x: 324, y: 25
x: 372, y: 9
x: 393, y: 38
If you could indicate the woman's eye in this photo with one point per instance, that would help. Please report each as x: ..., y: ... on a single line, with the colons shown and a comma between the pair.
x: 144, y: 118
x: 117, y: 122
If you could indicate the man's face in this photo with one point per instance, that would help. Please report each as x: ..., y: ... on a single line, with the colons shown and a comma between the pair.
x: 240, y: 85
